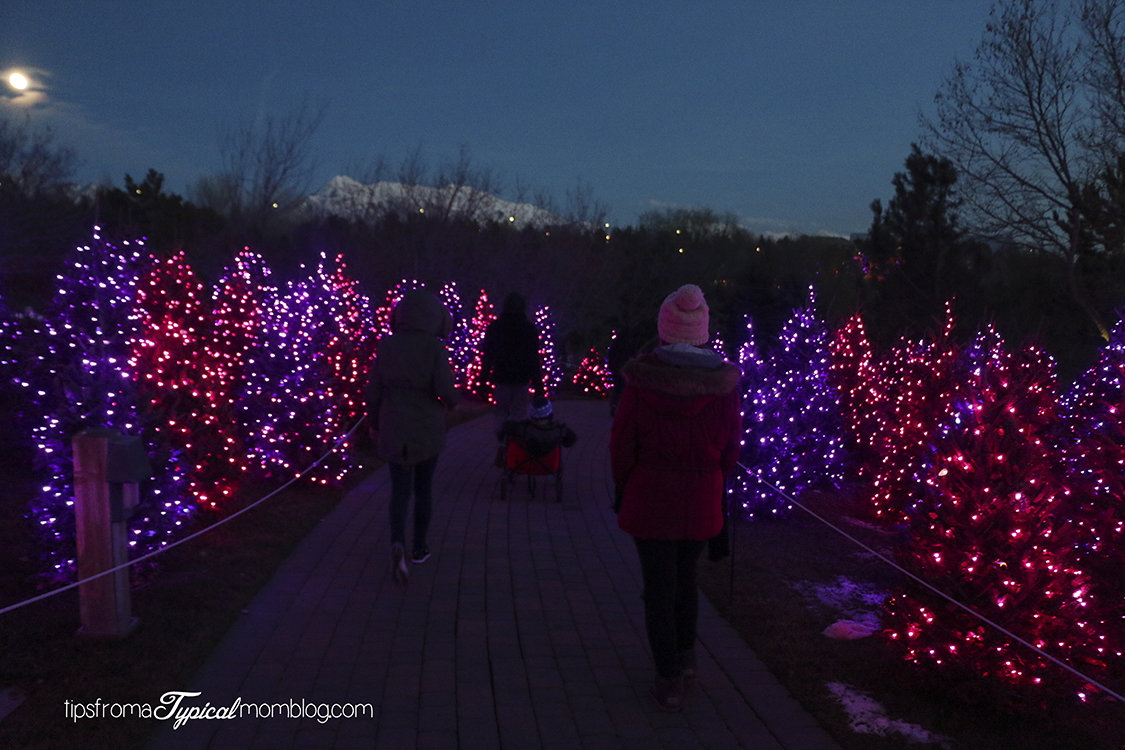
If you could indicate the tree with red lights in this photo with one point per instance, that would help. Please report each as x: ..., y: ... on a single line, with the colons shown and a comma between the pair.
x: 592, y: 375
x: 478, y: 326
x: 233, y: 345
x: 852, y: 373
x: 992, y: 531
x: 349, y: 346
x: 185, y: 382
x: 394, y: 294
x: 913, y: 392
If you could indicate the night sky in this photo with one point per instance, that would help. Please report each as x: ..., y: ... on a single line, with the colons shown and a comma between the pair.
x: 791, y: 115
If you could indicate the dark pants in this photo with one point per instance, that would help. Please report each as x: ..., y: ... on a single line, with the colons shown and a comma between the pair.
x: 420, y: 478
x: 671, y: 599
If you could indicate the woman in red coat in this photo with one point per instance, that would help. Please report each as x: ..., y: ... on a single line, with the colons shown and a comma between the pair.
x: 675, y: 439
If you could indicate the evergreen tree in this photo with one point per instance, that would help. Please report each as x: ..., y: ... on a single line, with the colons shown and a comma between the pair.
x: 592, y: 375
x: 916, y: 387
x: 1094, y: 451
x: 478, y: 326
x: 183, y: 378
x: 993, y: 532
x: 552, y: 369
x: 72, y: 370
x: 794, y: 436
x: 320, y: 328
x: 457, y: 342
x: 852, y: 372
x: 915, y: 253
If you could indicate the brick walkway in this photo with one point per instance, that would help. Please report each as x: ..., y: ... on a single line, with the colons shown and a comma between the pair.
x: 524, y: 630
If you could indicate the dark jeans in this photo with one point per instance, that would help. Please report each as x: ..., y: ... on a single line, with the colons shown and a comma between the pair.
x: 671, y: 599
x: 420, y: 478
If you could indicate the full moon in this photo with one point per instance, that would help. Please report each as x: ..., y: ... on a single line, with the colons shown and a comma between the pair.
x: 18, y: 81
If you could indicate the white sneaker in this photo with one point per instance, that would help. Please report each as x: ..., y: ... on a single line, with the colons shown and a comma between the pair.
x: 398, y: 564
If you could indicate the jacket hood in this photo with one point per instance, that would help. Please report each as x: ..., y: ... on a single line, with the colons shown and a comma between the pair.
x: 651, y: 373
x: 514, y: 305
x: 418, y: 310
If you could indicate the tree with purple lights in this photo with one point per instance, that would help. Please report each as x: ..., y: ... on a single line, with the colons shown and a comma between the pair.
x: 72, y: 367
x: 552, y: 369
x: 321, y: 330
x: 794, y: 437
x: 457, y: 343
x: 1094, y: 453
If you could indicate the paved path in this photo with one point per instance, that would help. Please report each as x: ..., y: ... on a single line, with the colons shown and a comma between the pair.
x: 524, y: 630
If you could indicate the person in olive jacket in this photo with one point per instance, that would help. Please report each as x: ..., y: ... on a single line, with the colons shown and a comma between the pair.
x: 409, y: 391
x: 675, y: 440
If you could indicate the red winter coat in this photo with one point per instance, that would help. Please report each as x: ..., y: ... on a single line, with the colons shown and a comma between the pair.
x: 675, y: 440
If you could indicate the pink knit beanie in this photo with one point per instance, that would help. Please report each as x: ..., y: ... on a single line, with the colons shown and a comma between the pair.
x: 684, y: 317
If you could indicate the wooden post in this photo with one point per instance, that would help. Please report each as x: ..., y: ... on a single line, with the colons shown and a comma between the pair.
x: 103, y: 604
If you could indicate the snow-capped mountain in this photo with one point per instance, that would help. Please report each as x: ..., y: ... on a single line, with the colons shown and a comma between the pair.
x: 342, y: 196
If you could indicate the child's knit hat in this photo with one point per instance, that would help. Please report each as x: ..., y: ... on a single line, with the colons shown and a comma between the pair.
x: 540, y: 407
x: 684, y: 317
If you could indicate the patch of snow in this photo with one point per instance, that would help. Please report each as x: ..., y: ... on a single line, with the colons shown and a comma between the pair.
x: 845, y: 596
x: 849, y: 630
x: 869, y: 717
x: 868, y: 526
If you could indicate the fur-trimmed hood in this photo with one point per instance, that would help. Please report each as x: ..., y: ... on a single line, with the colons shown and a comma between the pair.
x: 650, y: 373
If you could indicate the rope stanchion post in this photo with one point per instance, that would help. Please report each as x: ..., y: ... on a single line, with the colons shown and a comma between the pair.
x: 107, y: 470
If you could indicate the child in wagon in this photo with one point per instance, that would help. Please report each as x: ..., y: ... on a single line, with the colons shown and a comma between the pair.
x: 541, y: 433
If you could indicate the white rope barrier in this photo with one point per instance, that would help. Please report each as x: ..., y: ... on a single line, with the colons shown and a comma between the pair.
x: 189, y: 537
x: 942, y: 594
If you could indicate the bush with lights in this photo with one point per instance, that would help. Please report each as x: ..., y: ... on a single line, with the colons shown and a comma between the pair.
x: 72, y: 369
x: 475, y: 384
x: 992, y: 530
x: 317, y: 340
x: 912, y: 393
x: 552, y: 369
x: 593, y: 376
x: 793, y: 432
x: 1094, y: 452
x: 457, y: 343
x: 853, y: 375
x: 182, y: 372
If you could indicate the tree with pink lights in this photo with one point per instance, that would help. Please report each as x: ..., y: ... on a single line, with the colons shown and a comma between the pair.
x: 185, y: 382
x: 993, y: 531
x: 593, y: 376
x: 478, y: 326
